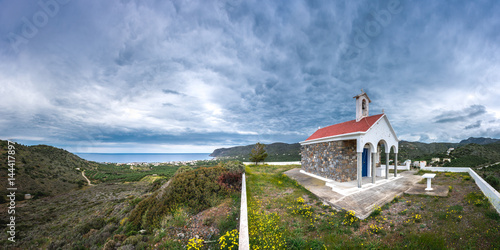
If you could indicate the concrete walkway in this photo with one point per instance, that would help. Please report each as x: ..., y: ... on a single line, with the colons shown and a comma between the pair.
x: 348, y: 196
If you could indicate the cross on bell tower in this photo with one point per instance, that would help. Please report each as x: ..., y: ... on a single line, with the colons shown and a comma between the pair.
x: 362, y: 105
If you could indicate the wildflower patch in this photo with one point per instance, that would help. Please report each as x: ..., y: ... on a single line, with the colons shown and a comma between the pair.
x: 229, y: 240
x: 264, y: 229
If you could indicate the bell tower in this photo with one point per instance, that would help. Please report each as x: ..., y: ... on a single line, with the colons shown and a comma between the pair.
x: 362, y: 105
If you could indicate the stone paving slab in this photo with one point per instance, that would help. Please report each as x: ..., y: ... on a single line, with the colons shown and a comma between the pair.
x: 420, y: 189
x: 363, y: 201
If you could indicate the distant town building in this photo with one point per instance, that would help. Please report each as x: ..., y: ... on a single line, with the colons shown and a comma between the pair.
x: 449, y: 151
x: 435, y: 160
x: 348, y: 151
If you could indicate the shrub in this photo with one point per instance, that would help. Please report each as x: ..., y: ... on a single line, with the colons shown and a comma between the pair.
x: 183, y: 169
x: 492, y: 180
x: 350, y: 219
x: 395, y: 200
x: 230, y: 181
x: 376, y: 212
x: 195, y: 190
x: 492, y: 214
x: 157, y: 184
x: 178, y: 218
x: 296, y: 243
x: 109, y: 245
x: 236, y: 167
x: 96, y: 223
x: 134, y: 240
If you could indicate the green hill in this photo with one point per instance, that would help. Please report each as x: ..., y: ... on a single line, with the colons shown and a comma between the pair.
x: 415, y: 150
x: 407, y: 150
x: 276, y: 152
x: 473, y: 155
x: 479, y: 140
x: 41, y: 170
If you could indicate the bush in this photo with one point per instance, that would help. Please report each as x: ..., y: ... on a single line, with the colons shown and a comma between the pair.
x: 96, y: 223
x: 157, y: 184
x: 195, y: 190
x: 492, y: 180
x: 230, y: 181
x: 492, y: 214
x: 236, y: 167
x: 183, y: 169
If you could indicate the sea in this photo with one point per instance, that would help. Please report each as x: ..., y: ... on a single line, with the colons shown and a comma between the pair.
x: 143, y: 157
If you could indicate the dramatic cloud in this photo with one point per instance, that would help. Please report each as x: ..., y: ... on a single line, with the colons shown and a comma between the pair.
x: 477, y: 124
x: 460, y: 116
x: 170, y: 76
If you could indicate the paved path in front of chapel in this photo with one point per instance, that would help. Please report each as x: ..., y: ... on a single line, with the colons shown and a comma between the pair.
x: 361, y: 200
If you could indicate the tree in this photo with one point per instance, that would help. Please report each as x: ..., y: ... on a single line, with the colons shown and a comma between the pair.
x: 258, y: 153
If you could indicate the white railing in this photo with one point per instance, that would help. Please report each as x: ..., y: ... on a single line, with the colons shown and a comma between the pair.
x: 487, y: 190
x: 244, y: 241
x: 275, y: 163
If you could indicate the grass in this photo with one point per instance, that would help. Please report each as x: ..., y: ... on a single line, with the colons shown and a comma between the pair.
x: 296, y: 219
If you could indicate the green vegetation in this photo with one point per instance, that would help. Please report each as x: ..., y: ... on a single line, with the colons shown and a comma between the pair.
x: 423, y: 151
x: 276, y: 152
x: 258, y: 153
x: 190, y: 190
x: 467, y: 153
x: 198, y: 202
x: 111, y: 173
x: 472, y: 155
x: 42, y: 170
x: 490, y: 174
x: 297, y: 219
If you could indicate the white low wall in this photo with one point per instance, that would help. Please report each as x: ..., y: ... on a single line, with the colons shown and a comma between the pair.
x: 275, y: 163
x: 404, y: 167
x: 487, y: 190
x: 443, y: 169
x: 244, y: 240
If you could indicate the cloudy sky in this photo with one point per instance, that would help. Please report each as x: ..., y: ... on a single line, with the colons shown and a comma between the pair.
x: 192, y: 76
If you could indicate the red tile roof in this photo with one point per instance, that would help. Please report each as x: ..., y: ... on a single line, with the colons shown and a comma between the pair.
x: 346, y: 127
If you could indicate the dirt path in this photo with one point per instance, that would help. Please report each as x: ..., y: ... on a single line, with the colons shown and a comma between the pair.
x: 83, y: 174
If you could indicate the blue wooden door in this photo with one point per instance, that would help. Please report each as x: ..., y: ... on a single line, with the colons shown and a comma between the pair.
x: 364, y: 166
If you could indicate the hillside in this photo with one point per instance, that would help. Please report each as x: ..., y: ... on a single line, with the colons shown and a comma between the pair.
x: 42, y: 170
x: 291, y: 152
x: 415, y: 150
x: 479, y: 140
x: 276, y: 152
x: 473, y: 155
x: 407, y: 150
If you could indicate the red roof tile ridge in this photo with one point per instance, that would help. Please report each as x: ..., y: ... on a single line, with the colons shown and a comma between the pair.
x: 345, y: 128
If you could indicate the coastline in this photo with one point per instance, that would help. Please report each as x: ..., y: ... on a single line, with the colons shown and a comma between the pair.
x: 145, y: 158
